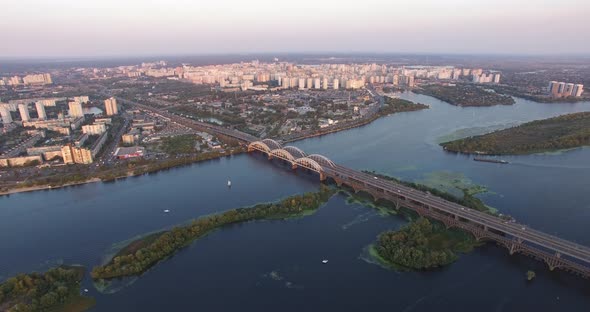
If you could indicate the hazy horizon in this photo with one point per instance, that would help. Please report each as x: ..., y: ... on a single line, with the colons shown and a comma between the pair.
x: 37, y: 29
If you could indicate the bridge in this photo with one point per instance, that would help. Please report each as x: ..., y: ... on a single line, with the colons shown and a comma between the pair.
x: 557, y: 253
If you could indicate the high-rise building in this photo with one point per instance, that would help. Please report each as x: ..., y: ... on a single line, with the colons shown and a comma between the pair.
x: 94, y: 129
x: 41, y: 110
x: 411, y: 81
x: 553, y: 87
x: 335, y: 83
x: 301, y: 84
x: 325, y: 83
x: 5, y: 113
x: 309, y: 83
x: 76, y: 109
x: 111, y: 106
x: 37, y: 79
x: 24, y: 112
x: 497, y: 78
x: 316, y: 83
x: 578, y: 89
x: 561, y: 87
x: 569, y: 89
x: 82, y: 99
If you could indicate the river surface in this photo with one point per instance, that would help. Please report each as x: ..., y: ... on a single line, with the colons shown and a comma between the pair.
x: 277, y: 265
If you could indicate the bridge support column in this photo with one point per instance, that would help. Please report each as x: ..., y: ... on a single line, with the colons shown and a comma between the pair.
x: 294, y: 166
x: 322, y: 176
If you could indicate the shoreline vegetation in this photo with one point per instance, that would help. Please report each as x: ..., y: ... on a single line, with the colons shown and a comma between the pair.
x: 58, y: 289
x: 424, y: 244
x: 465, y: 95
x: 468, y: 200
x: 128, y: 169
x: 140, y: 255
x: 546, y: 135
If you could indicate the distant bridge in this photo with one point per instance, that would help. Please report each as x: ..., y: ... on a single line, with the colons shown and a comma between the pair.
x: 557, y: 253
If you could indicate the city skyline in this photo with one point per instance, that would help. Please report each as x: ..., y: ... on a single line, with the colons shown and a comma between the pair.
x: 112, y: 29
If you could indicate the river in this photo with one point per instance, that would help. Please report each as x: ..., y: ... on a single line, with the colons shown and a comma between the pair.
x: 276, y: 265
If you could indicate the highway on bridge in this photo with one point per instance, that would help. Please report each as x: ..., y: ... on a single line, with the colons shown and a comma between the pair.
x: 556, y: 252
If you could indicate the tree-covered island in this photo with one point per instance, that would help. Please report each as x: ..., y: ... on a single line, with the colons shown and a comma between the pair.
x: 140, y: 255
x: 561, y: 132
x: 58, y: 289
x: 424, y: 244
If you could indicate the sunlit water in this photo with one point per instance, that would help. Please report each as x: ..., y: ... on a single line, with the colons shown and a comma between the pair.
x: 277, y: 265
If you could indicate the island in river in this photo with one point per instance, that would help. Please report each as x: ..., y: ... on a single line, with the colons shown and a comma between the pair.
x: 465, y: 95
x: 55, y: 290
x: 142, y: 254
x: 422, y: 245
x: 561, y: 132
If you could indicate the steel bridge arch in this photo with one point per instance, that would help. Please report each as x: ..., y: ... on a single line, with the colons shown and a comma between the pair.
x: 310, y: 164
x: 323, y: 160
x: 282, y: 153
x: 272, y: 144
x: 260, y: 146
x: 295, y: 151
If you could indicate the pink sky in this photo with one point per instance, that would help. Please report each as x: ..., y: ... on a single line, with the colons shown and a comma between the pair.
x: 39, y: 28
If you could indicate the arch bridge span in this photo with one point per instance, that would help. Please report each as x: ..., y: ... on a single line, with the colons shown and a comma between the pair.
x: 294, y: 156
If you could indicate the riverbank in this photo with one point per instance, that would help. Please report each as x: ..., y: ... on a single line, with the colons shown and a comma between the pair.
x: 128, y: 169
x: 58, y: 289
x: 46, y: 187
x: 140, y: 255
x: 546, y: 135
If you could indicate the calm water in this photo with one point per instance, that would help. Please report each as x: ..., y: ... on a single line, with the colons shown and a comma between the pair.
x: 231, y: 269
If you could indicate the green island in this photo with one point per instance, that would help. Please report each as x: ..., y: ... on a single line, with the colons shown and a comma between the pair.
x: 465, y: 95
x: 58, y: 289
x: 142, y: 254
x: 424, y: 244
x: 421, y: 245
x: 561, y: 132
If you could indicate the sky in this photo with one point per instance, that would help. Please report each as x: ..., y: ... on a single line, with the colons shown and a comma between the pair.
x: 90, y: 28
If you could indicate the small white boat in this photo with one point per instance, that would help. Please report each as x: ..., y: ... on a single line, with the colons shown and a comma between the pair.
x: 166, y: 210
x: 85, y: 289
x: 228, y: 183
x: 325, y: 261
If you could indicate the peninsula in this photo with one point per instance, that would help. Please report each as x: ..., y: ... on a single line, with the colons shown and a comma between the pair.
x: 465, y: 95
x: 562, y: 132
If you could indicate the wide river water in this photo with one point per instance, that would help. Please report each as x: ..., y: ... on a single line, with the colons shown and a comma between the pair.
x: 277, y: 265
